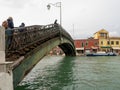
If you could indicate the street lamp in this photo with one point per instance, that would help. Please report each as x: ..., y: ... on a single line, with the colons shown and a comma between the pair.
x: 58, y: 4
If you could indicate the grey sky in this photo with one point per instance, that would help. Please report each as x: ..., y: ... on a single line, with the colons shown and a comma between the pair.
x: 87, y: 16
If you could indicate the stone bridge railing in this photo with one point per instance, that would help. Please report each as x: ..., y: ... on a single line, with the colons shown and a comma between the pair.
x: 22, y: 37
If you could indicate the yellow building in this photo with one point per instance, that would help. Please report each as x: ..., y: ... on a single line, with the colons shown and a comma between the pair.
x: 101, y: 34
x: 103, y: 37
x: 107, y: 43
x: 115, y: 44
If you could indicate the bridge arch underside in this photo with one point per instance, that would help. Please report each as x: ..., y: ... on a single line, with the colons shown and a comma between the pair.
x: 67, y: 49
x: 65, y: 45
x: 23, y: 67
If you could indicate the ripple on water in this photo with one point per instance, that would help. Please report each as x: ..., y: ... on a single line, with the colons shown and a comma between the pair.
x: 74, y: 73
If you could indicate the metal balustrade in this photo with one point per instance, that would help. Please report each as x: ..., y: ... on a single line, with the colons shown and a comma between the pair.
x: 23, y: 37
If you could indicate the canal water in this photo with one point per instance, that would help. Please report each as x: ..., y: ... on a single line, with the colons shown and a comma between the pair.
x: 74, y: 73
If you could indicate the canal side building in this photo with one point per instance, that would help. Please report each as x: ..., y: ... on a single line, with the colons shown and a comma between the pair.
x: 107, y: 43
x: 115, y: 44
x: 103, y: 37
x: 101, y: 41
x: 86, y: 45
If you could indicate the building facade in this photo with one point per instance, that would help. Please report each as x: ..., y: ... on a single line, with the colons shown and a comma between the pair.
x: 115, y: 44
x: 103, y: 37
x: 86, y: 45
x: 101, y: 41
x: 107, y: 43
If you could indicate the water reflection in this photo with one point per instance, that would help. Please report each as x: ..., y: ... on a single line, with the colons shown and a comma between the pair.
x: 52, y: 76
x: 64, y: 73
x: 74, y: 73
x: 97, y: 73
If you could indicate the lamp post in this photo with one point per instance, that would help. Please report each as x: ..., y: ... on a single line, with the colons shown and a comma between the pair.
x: 58, y: 4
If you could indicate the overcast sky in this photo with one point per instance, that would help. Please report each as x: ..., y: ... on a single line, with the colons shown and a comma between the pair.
x: 81, y: 18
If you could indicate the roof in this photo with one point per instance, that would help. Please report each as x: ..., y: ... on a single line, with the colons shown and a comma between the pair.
x: 114, y: 37
x: 102, y: 30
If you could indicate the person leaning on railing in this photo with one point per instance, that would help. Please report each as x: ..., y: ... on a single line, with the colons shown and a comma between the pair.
x: 10, y: 22
x: 8, y: 33
x: 22, y: 29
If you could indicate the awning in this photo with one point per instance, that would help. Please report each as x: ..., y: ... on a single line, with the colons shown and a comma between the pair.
x: 94, y: 47
x: 80, y: 48
x: 116, y: 48
x: 105, y: 46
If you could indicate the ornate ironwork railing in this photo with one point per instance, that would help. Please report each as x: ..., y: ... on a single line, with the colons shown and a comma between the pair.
x: 21, y: 37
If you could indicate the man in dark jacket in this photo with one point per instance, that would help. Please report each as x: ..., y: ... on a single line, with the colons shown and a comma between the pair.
x: 10, y: 22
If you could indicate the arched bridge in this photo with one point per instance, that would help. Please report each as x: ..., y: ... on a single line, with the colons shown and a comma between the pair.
x: 25, y: 46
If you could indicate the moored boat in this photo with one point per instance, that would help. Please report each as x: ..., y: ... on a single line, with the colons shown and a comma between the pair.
x: 102, y: 54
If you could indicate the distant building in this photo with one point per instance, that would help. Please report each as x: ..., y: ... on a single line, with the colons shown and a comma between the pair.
x: 86, y: 45
x: 101, y: 41
x: 115, y: 44
x: 56, y: 51
x: 101, y: 34
x: 107, y: 43
x: 103, y: 37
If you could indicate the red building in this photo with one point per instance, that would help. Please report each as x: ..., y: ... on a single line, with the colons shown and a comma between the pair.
x: 86, y: 45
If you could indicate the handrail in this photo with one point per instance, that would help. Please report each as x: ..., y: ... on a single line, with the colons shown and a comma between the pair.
x: 22, y: 37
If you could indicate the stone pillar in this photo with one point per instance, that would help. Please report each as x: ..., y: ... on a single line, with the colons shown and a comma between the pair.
x: 2, y: 45
x: 6, y: 76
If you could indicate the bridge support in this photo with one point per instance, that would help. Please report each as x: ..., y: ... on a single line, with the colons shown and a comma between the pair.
x: 6, y: 77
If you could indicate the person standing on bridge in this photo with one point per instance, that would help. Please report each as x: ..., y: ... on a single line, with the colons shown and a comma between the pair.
x: 5, y: 24
x: 55, y: 22
x: 10, y: 23
x: 22, y: 25
x: 22, y: 31
x: 8, y: 33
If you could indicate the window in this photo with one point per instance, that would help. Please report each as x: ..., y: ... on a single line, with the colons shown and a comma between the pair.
x: 82, y: 44
x: 104, y: 35
x: 112, y: 42
x: 101, y: 42
x: 86, y: 43
x: 117, y: 42
x: 108, y: 42
x: 95, y: 43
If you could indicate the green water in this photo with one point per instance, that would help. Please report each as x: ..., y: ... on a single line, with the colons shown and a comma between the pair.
x: 74, y: 73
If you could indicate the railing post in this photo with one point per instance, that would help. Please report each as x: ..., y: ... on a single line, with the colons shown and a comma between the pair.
x: 6, y: 77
